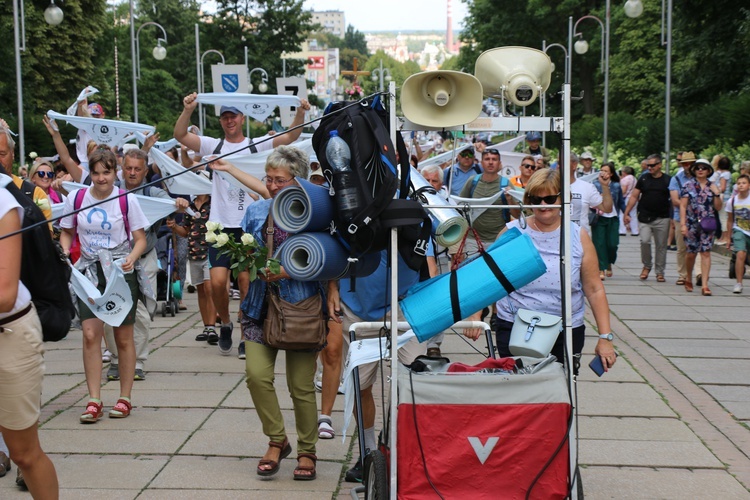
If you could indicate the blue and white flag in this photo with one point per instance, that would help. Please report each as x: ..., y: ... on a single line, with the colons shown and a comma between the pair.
x: 113, y: 305
x: 85, y: 94
x: 256, y: 106
x: 101, y: 130
x: 188, y: 183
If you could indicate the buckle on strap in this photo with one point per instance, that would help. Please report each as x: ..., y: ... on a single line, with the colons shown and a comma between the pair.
x: 532, y: 325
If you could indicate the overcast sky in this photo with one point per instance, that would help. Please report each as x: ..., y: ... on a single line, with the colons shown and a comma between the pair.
x: 394, y: 14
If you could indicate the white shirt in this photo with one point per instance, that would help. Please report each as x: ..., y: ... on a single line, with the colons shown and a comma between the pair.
x: 23, y: 297
x: 740, y: 208
x: 228, y: 203
x: 583, y: 196
x: 102, y: 226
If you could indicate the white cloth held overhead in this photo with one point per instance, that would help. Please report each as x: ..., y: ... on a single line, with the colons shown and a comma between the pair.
x: 101, y: 130
x: 258, y: 107
x: 113, y: 305
x: 188, y: 183
x: 85, y: 94
x: 362, y: 352
x: 163, y: 146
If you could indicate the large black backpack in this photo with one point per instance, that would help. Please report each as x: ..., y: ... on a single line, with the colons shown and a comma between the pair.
x: 44, y: 270
x: 376, y: 171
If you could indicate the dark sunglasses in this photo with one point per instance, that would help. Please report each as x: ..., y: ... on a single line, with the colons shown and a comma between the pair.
x: 701, y: 167
x: 548, y: 200
x: 653, y: 164
x: 466, y: 154
x: 529, y: 165
x: 48, y: 175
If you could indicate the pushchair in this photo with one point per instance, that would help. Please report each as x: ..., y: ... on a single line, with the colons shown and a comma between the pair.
x: 169, y: 289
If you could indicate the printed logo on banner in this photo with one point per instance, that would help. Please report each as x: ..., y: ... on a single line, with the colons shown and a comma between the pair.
x: 230, y: 82
x: 259, y: 109
x: 483, y: 450
x: 103, y: 135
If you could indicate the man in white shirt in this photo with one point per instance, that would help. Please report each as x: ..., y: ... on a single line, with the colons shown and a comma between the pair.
x: 228, y: 203
x: 584, y: 197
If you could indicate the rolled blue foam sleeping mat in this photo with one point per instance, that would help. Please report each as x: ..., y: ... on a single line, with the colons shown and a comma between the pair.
x: 302, y: 208
x: 427, y: 305
x: 320, y: 257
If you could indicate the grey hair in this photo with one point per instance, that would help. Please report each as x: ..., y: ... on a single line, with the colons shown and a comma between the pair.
x: 290, y: 158
x: 432, y: 169
x: 9, y: 136
x: 573, y: 158
x: 136, y: 154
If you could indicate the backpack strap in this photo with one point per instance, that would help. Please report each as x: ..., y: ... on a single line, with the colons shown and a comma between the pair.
x: 474, y: 183
x: 77, y: 202
x: 28, y: 188
x: 123, y: 199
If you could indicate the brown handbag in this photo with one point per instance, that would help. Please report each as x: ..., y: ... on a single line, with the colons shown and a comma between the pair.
x: 288, y: 326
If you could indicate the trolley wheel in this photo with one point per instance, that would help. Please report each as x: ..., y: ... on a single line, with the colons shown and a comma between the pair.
x: 172, y: 308
x: 375, y: 476
x: 163, y: 309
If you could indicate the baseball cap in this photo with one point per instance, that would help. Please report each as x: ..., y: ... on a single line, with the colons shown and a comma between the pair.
x: 96, y: 109
x: 229, y: 109
x: 533, y: 136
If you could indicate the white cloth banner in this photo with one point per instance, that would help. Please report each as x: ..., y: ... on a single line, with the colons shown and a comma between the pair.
x: 155, y: 209
x: 510, y: 144
x: 85, y: 94
x: 255, y: 164
x: 187, y: 183
x: 442, y: 157
x: 101, y: 130
x: 114, y: 304
x: 476, y: 212
x: 258, y: 107
x: 160, y: 145
x: 58, y: 209
x: 362, y: 352
x: 589, y: 177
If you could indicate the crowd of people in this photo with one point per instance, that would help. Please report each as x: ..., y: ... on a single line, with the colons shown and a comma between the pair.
x: 607, y: 203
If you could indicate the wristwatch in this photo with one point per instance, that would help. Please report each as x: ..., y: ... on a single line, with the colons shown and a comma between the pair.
x: 607, y: 336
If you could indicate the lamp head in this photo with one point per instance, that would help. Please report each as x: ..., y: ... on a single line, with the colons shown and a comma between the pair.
x: 159, y: 52
x: 263, y: 87
x: 633, y: 8
x: 53, y: 14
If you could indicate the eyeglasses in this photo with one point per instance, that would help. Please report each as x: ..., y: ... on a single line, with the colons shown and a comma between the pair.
x: 649, y: 165
x: 279, y: 181
x: 548, y: 200
x: 701, y: 167
x: 466, y: 154
x: 529, y: 165
x: 48, y: 175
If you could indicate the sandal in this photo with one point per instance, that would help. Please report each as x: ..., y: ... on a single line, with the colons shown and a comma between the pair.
x: 286, y: 450
x: 660, y: 278
x: 609, y: 273
x: 601, y: 275
x: 305, y: 472
x: 325, y: 428
x: 688, y: 286
x: 93, y: 412
x: 644, y: 273
x: 680, y: 281
x: 706, y: 291
x: 121, y: 409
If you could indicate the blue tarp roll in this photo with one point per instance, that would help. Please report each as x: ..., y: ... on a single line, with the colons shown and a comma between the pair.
x: 427, y: 305
x: 320, y: 257
x: 303, y: 208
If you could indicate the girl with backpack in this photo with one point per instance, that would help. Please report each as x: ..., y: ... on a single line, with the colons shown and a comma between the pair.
x: 104, y: 234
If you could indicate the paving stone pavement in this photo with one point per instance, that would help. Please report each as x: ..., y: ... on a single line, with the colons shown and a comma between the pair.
x: 669, y: 422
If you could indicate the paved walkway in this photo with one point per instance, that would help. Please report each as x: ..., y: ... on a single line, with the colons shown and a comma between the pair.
x: 669, y: 422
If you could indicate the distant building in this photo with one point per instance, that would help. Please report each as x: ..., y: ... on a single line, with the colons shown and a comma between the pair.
x: 332, y: 21
x: 322, y: 68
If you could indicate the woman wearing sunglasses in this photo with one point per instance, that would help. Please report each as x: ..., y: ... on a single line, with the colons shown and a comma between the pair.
x: 544, y: 293
x: 700, y: 199
x: 42, y: 174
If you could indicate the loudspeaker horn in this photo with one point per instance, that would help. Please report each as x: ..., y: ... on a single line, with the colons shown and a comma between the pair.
x: 516, y: 73
x: 441, y: 98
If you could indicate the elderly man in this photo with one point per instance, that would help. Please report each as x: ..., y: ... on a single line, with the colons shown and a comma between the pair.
x: 134, y: 169
x: 651, y: 192
x: 587, y: 165
x: 228, y: 203
x: 434, y: 175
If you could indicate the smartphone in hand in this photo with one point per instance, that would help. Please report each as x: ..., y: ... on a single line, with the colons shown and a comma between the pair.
x: 597, y: 366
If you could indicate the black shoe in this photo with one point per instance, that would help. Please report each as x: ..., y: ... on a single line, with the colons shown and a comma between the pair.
x: 225, y: 339
x: 213, y: 337
x: 672, y: 248
x: 354, y: 475
x: 203, y: 336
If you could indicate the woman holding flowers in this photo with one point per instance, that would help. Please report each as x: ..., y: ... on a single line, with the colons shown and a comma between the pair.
x: 282, y: 167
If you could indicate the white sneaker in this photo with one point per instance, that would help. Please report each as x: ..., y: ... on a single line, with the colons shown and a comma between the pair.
x: 107, y: 356
x: 318, y: 380
x: 737, y: 288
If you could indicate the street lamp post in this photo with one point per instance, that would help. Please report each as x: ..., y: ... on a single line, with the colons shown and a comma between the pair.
x: 381, y: 74
x: 581, y: 47
x: 546, y: 48
x: 159, y: 54
x: 53, y: 15
x: 263, y: 86
x: 201, y: 114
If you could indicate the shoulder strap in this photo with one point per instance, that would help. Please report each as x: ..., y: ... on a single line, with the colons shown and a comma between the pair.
x: 27, y: 188
x: 124, y: 209
x: 474, y: 183
x: 217, y: 150
x: 77, y: 202
x: 477, y: 169
x: 269, y: 233
x: 253, y: 149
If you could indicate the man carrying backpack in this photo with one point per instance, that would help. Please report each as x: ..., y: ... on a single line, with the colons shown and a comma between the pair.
x: 228, y: 203
x: 455, y: 177
x: 489, y: 224
x: 134, y: 169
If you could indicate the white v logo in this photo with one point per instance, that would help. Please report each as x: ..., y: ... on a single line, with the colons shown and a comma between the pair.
x: 483, y: 450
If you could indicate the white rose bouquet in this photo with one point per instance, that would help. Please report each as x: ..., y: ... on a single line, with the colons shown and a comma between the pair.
x: 245, y: 255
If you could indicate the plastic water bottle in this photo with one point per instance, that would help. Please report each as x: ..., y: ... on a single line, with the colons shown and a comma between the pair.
x: 339, y: 158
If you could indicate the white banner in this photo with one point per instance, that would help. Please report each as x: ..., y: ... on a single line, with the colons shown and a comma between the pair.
x: 101, y: 130
x: 188, y: 183
x: 256, y: 106
x: 114, y: 304
x: 85, y: 94
x: 296, y: 86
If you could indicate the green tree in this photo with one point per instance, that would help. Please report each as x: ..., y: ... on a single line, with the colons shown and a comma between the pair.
x: 355, y: 40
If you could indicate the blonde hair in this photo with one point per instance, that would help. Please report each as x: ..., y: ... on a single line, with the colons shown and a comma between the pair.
x: 546, y: 179
x: 35, y: 167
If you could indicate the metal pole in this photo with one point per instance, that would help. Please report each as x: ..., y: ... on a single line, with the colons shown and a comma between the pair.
x: 393, y: 427
x: 133, y: 55
x: 247, y: 118
x: 19, y: 84
x: 668, y: 97
x: 606, y: 82
x: 198, y: 73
